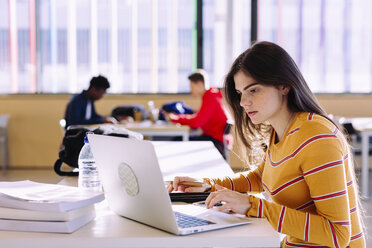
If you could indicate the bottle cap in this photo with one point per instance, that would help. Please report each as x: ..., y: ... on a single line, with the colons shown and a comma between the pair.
x: 86, y: 137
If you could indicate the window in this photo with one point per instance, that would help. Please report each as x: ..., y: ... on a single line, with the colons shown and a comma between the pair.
x: 331, y: 41
x: 148, y: 46
x: 17, y: 47
x: 141, y: 46
x: 226, y: 32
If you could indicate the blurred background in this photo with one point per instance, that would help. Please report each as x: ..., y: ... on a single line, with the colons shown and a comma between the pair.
x: 50, y: 49
x: 150, y: 46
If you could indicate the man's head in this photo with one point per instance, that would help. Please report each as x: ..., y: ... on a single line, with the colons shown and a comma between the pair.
x: 198, y: 82
x: 97, y: 88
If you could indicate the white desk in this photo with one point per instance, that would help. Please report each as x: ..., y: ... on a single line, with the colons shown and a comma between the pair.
x: 193, y: 158
x: 110, y: 230
x: 147, y: 128
x: 366, y: 133
x: 364, y: 125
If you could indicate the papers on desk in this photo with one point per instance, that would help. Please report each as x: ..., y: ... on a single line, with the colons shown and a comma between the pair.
x: 45, y: 197
x: 23, y: 214
x: 47, y: 226
x: 40, y: 207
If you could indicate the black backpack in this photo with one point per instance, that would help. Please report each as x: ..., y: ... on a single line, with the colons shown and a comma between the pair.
x: 129, y: 110
x: 72, y: 143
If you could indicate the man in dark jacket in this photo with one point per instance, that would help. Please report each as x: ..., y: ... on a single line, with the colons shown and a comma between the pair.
x: 81, y: 110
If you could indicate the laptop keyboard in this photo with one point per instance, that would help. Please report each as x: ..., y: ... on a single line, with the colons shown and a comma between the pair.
x: 185, y: 221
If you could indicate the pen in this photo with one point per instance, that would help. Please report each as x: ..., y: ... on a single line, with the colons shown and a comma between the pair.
x: 202, y: 203
x: 192, y: 184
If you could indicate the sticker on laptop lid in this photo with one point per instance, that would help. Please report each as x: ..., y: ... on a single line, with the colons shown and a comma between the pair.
x: 128, y: 179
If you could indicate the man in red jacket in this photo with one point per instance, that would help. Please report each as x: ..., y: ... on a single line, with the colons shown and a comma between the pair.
x: 211, y: 117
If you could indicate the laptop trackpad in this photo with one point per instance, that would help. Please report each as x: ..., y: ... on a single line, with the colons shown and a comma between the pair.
x: 209, y: 214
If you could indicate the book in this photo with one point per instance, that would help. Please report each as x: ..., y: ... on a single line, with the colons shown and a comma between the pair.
x: 45, y: 197
x: 24, y: 214
x: 46, y: 226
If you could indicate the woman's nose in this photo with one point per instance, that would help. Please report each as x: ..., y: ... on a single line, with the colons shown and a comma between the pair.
x: 244, y: 101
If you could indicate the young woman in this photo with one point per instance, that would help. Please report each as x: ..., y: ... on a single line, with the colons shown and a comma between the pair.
x: 307, y: 168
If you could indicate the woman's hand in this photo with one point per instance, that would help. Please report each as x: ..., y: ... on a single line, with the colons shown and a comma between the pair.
x: 233, y: 201
x: 177, y: 185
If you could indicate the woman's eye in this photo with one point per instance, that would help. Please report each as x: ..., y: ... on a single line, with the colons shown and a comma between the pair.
x: 254, y: 90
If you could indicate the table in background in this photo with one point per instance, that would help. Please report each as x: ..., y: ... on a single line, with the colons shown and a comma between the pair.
x: 147, y: 128
x: 364, y: 125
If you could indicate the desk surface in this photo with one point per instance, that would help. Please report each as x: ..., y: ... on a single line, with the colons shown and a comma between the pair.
x: 110, y: 230
x: 149, y: 125
x: 190, y: 158
x: 144, y: 125
x: 364, y: 125
x: 361, y: 123
x: 147, y: 128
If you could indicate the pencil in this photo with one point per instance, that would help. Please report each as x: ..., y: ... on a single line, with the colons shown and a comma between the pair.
x: 192, y: 184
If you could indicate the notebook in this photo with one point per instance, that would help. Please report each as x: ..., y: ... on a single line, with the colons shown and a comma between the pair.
x: 135, y: 189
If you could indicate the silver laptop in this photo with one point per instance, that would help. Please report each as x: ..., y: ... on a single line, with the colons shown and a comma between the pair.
x: 134, y: 188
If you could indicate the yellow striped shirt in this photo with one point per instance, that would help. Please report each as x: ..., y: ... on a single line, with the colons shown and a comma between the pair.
x: 308, y: 175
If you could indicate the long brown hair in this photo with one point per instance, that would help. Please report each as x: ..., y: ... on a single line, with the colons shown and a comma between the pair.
x: 268, y: 64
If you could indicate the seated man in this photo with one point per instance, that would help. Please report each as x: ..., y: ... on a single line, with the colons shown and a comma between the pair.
x: 211, y: 117
x: 81, y: 110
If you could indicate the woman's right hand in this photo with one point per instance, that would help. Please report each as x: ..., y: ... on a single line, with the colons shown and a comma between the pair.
x: 176, y: 185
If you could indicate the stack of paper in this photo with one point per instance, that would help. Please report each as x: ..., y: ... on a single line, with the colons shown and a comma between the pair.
x: 40, y: 207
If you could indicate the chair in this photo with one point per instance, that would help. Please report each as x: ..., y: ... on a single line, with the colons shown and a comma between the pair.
x: 350, y: 132
x: 228, y: 141
x: 4, y: 140
x: 353, y: 135
x: 355, y: 139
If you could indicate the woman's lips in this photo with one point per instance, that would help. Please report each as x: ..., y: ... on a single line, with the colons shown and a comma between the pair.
x: 251, y: 113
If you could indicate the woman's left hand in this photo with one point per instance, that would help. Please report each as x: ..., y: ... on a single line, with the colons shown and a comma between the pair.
x: 234, y: 202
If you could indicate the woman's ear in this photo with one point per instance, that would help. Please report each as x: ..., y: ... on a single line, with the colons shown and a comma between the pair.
x: 284, y: 89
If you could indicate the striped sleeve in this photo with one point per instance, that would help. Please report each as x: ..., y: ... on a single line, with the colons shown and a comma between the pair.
x: 242, y: 182
x: 323, y: 165
x: 324, y: 170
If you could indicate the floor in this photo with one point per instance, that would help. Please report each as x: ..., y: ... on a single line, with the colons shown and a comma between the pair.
x: 49, y: 176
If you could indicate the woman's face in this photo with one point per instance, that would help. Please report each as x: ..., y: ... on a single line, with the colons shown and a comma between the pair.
x: 261, y: 102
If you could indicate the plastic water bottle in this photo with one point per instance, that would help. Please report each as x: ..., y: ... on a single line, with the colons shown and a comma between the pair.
x: 88, y: 173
